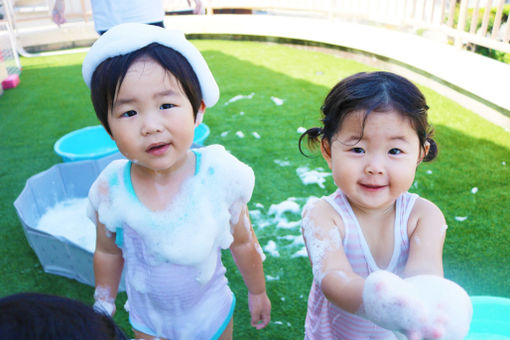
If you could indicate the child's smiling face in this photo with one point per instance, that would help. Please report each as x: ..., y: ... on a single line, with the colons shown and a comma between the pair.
x: 152, y: 120
x: 375, y: 164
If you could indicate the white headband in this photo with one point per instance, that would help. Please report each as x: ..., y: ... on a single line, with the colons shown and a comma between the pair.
x: 126, y: 38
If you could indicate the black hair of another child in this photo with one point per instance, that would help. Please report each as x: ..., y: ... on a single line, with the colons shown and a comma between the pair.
x: 108, y: 77
x: 34, y: 316
x: 373, y: 92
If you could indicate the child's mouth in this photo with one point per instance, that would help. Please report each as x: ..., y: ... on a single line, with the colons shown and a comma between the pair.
x: 157, y: 149
x: 372, y: 187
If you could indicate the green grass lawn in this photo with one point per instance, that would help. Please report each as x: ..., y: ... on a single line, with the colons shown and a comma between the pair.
x: 52, y: 100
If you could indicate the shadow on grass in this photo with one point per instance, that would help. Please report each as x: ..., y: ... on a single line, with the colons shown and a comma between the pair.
x: 52, y: 101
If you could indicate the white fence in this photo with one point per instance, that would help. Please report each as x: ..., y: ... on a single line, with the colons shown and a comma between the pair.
x: 441, y: 15
x: 466, y: 22
x: 9, y: 60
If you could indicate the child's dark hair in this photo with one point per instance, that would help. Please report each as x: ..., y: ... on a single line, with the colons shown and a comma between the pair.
x: 33, y: 316
x: 369, y: 92
x: 109, y: 75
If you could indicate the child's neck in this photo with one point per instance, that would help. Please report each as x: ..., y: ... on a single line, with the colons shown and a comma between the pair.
x: 373, y: 214
x: 377, y: 226
x: 156, y: 189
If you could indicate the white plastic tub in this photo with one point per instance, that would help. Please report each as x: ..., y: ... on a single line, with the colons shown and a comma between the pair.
x: 57, y: 254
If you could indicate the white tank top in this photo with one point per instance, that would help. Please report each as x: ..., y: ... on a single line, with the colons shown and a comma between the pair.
x: 324, y: 320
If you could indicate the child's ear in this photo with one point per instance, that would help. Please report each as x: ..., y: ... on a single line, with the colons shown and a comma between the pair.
x: 200, y: 114
x: 326, y: 151
x: 424, y: 151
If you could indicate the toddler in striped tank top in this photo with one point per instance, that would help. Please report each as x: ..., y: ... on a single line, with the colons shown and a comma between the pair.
x: 376, y: 249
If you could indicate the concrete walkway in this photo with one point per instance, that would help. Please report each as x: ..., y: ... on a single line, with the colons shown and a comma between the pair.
x: 480, y: 77
x: 476, y: 82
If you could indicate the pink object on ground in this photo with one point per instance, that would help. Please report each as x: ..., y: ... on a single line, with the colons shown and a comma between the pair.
x: 10, y: 82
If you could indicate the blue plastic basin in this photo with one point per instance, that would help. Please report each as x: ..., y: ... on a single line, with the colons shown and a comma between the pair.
x: 491, y: 318
x: 93, y: 142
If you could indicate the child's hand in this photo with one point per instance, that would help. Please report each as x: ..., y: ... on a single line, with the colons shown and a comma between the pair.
x: 260, y: 309
x: 103, y: 301
x: 449, y: 305
x: 391, y: 303
x: 58, y: 12
x: 104, y: 307
x: 421, y: 307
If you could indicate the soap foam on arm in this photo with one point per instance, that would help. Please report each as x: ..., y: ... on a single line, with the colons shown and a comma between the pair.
x: 331, y: 268
x: 320, y: 238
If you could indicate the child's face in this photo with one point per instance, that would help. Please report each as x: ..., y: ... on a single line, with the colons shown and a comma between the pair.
x: 374, y: 170
x: 152, y: 119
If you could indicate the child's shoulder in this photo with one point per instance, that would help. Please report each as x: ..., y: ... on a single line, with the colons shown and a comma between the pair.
x: 110, y: 175
x: 217, y: 158
x: 114, y: 166
x: 218, y: 153
x: 423, y: 207
x: 425, y: 212
x: 318, y: 212
x: 225, y: 173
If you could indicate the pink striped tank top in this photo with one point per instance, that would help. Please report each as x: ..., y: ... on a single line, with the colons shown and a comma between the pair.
x: 324, y: 320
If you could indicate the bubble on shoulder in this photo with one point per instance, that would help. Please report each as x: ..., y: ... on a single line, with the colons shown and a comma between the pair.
x: 310, y: 205
x: 112, y: 169
x: 216, y: 155
x: 110, y: 175
x: 223, y: 165
x: 231, y: 176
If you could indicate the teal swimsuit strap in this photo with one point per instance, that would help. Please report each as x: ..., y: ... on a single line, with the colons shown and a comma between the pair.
x: 119, y: 231
x: 127, y: 180
x: 198, y: 160
x: 216, y: 336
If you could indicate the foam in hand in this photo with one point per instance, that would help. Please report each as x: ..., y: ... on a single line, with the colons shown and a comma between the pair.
x: 421, y: 307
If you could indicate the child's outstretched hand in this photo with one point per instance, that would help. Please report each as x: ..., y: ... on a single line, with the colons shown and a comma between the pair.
x: 421, y: 307
x: 260, y: 309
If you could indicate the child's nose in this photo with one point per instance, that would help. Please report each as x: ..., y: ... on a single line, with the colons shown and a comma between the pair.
x: 151, y: 124
x: 374, y: 165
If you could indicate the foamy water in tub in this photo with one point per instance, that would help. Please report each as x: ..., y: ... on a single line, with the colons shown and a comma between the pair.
x: 69, y: 219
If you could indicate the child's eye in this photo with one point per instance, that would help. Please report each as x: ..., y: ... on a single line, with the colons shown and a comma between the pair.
x: 395, y: 151
x: 166, y: 106
x: 129, y: 113
x: 358, y: 150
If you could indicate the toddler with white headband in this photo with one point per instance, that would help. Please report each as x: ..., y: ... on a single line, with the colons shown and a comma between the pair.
x: 165, y: 213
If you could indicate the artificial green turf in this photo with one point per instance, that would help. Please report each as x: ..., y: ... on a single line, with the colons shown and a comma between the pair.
x: 52, y: 100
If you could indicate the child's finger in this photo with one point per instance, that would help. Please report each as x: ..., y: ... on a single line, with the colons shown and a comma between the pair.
x: 266, y: 317
x: 260, y: 320
x: 254, y: 322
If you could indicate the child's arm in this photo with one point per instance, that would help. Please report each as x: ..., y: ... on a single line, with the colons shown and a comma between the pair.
x: 426, y: 240
x: 108, y: 264
x: 247, y: 255
x: 424, y: 305
x: 322, y: 231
